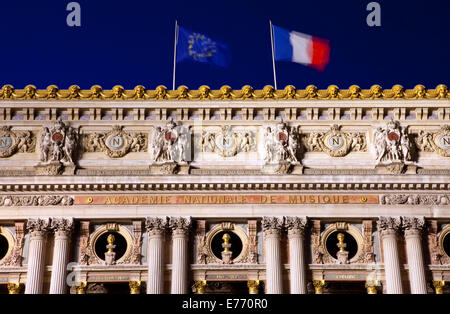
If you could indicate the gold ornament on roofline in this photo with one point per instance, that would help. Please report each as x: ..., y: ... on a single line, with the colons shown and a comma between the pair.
x: 52, y: 92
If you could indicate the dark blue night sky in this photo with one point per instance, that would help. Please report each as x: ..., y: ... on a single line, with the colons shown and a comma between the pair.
x: 131, y: 43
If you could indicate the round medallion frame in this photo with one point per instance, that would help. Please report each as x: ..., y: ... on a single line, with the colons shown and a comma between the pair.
x: 345, y: 227
x: 227, y: 227
x: 105, y: 229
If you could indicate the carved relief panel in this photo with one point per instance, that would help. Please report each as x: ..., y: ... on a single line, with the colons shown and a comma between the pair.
x: 12, y: 142
x: 115, y: 143
x: 227, y: 141
x: 335, y: 142
x: 438, y: 141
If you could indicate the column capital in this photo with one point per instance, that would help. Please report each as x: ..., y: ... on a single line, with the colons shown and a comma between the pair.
x: 38, y: 226
x: 14, y: 287
x: 156, y: 225
x: 272, y: 225
x: 295, y: 225
x: 389, y: 225
x: 62, y: 225
x: 413, y: 225
x: 180, y: 225
x: 318, y: 286
x: 135, y: 287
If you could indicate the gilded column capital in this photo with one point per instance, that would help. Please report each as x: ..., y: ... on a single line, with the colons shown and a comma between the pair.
x: 199, y: 286
x: 156, y: 225
x: 253, y: 286
x: 413, y: 225
x: 389, y: 225
x: 371, y: 286
x: 439, y: 285
x: 272, y: 225
x: 38, y: 226
x: 62, y: 226
x: 135, y: 287
x: 81, y: 288
x: 318, y: 286
x: 180, y: 225
x: 295, y: 225
x: 14, y: 288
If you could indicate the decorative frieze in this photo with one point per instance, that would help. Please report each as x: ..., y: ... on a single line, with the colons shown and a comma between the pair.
x: 335, y: 142
x: 226, y: 93
x: 36, y: 200
x: 115, y: 143
x: 12, y: 142
x: 415, y: 199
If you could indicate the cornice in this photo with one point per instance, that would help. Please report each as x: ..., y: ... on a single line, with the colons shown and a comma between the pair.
x: 96, y: 92
x: 326, y: 183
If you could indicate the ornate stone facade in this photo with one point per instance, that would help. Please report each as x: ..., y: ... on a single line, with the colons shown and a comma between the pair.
x: 308, y: 190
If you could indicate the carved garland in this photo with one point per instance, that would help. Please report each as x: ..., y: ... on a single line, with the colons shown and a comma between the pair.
x: 229, y: 227
x: 36, y: 200
x: 110, y: 227
x: 16, y: 141
x: 414, y: 199
x: 115, y: 143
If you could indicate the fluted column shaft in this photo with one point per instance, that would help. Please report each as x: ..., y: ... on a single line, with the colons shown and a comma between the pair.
x: 155, y: 283
x: 413, y: 236
x: 297, y: 264
x: 180, y: 230
x: 296, y: 226
x: 274, y: 277
x: 60, y: 257
x: 63, y: 229
x: 391, y: 262
x: 35, y: 273
x: 156, y: 228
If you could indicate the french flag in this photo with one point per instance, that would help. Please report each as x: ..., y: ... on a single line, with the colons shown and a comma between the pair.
x: 301, y: 48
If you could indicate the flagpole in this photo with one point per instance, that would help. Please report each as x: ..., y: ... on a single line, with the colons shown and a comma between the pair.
x: 175, y: 54
x: 273, y: 56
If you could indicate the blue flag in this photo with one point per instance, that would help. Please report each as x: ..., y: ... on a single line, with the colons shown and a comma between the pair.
x: 201, y: 48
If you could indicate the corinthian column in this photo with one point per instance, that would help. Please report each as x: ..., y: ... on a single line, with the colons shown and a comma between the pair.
x: 180, y: 230
x: 272, y: 227
x: 62, y: 228
x: 388, y: 227
x: 156, y: 228
x: 35, y: 274
x: 296, y: 229
x: 413, y: 235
